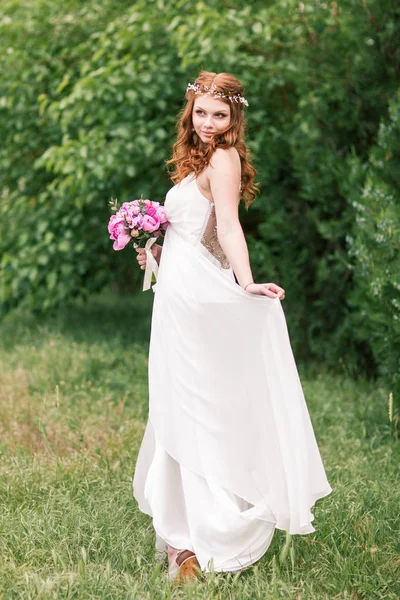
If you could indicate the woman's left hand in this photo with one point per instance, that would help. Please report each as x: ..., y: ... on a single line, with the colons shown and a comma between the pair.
x: 266, y: 289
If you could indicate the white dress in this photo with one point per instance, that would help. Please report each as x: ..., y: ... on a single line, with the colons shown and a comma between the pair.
x: 229, y: 451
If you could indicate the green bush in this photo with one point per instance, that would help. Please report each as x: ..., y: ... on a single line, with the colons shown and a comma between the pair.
x: 375, y: 248
x: 88, y: 101
x: 42, y: 245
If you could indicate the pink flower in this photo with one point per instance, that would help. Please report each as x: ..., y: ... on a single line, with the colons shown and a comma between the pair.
x: 151, y: 210
x: 130, y: 208
x: 129, y: 224
x: 150, y: 223
x: 112, y: 224
x: 137, y: 222
x: 161, y: 214
x: 117, y: 231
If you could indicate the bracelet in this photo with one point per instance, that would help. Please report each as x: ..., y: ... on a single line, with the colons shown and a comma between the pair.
x: 248, y: 285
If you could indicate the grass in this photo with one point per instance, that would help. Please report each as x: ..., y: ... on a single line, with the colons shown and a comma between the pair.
x: 73, y: 405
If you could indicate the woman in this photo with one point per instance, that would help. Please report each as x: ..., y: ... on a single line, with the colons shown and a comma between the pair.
x: 229, y: 452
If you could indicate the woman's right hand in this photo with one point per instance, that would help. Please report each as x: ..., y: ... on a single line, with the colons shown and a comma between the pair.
x: 142, y: 258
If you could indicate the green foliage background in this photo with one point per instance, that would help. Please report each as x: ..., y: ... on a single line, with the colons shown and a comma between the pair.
x: 89, y: 93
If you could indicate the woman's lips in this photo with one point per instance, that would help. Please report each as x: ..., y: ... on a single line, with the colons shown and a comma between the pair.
x: 208, y: 132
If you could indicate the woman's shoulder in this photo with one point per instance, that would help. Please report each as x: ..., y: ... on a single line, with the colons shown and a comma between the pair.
x: 226, y: 158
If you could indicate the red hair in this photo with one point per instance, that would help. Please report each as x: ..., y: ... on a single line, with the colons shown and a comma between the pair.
x: 191, y: 155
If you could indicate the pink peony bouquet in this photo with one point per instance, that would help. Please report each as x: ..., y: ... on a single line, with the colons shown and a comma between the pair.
x: 136, y: 221
x: 141, y: 222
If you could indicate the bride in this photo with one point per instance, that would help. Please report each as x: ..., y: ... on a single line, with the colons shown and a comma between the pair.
x: 229, y: 452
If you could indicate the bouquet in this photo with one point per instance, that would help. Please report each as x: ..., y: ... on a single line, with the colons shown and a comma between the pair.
x: 141, y: 222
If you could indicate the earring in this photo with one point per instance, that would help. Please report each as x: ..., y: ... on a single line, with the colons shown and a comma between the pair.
x: 194, y: 137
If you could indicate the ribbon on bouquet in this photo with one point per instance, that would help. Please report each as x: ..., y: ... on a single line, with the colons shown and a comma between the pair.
x: 151, y: 264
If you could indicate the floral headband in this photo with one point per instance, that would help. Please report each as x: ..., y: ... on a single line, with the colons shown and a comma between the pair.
x: 206, y: 91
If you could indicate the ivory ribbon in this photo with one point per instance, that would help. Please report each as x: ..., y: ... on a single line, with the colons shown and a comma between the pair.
x: 151, y: 264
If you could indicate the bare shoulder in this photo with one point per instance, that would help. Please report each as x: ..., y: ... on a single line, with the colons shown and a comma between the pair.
x: 225, y: 162
x: 226, y: 158
x: 224, y: 171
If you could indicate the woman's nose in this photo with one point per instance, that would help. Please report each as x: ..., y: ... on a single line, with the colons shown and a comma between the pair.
x: 208, y: 120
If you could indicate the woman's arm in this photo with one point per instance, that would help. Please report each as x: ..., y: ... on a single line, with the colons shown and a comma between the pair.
x: 224, y: 177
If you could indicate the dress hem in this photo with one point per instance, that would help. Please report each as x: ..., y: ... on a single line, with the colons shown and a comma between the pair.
x: 281, y: 524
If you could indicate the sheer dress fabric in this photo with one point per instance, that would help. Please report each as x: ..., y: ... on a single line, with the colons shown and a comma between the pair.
x: 229, y: 452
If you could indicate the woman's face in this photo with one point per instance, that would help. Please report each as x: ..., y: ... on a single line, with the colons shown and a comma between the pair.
x: 210, y: 116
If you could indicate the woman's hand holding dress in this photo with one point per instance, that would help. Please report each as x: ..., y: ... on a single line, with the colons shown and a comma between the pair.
x: 266, y: 289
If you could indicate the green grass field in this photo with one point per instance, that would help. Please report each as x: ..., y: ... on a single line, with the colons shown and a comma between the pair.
x: 73, y: 405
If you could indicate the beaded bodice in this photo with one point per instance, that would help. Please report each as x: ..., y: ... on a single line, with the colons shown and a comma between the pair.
x: 210, y: 241
x: 193, y: 216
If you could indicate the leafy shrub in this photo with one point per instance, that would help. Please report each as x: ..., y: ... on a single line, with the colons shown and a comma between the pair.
x: 374, y: 246
x: 88, y: 100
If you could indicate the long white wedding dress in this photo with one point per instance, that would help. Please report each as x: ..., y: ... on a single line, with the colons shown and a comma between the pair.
x: 229, y: 451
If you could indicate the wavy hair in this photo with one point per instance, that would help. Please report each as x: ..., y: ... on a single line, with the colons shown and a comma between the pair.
x: 190, y: 154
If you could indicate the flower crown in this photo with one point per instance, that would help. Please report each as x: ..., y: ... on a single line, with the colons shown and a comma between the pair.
x: 207, y: 91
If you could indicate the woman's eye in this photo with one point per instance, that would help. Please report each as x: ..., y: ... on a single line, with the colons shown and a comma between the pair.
x: 220, y: 115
